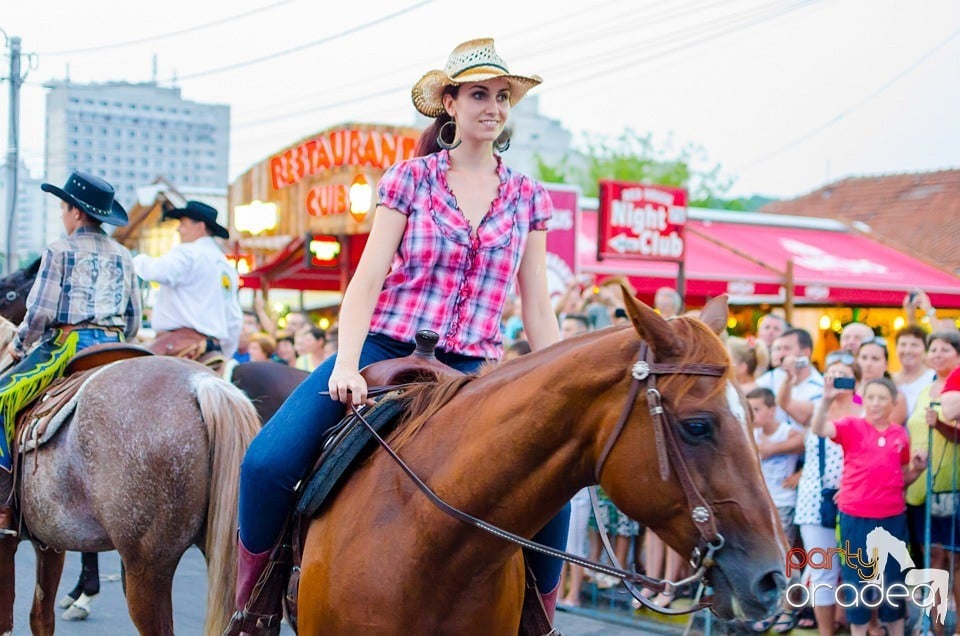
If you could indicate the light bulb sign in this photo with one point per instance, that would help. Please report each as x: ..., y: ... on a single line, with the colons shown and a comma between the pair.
x: 322, y: 251
x: 641, y: 221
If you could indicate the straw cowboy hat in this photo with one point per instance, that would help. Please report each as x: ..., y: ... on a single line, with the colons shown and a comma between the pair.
x: 199, y: 211
x: 473, y: 61
x: 92, y: 195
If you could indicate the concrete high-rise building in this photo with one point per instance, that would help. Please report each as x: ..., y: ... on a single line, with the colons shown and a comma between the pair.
x: 30, y: 233
x: 130, y: 134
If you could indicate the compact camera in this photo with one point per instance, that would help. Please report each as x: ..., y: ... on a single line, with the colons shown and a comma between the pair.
x: 803, y: 361
x: 844, y: 383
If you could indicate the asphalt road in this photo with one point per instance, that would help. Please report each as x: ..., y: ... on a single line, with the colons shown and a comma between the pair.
x: 109, y: 611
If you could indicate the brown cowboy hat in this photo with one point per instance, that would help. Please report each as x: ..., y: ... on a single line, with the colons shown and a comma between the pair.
x: 199, y: 211
x: 92, y: 195
x: 472, y: 61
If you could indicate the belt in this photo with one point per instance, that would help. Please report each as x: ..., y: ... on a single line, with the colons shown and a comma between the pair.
x: 89, y: 325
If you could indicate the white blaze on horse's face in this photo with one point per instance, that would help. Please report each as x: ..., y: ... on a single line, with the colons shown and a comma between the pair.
x: 736, y: 405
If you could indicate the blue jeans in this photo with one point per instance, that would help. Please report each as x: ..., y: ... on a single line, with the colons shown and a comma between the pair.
x: 287, y: 446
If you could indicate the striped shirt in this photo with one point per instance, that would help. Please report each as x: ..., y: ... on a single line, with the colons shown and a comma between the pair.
x: 446, y: 277
x: 86, y: 278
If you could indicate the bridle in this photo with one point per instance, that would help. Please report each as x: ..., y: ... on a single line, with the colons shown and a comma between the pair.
x: 667, y: 446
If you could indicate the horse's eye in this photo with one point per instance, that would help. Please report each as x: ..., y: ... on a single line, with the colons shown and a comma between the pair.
x: 11, y: 296
x: 697, y: 428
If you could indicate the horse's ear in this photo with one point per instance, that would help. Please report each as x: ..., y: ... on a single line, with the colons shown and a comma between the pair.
x: 650, y: 325
x: 715, y: 314
x: 33, y: 268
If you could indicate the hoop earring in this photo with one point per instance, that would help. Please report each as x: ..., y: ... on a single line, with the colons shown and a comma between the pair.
x: 448, y: 145
x: 501, y: 146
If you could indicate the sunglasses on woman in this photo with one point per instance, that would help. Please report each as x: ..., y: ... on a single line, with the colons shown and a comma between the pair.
x: 843, y: 357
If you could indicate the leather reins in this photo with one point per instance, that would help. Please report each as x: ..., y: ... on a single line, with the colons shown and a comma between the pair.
x: 667, y: 446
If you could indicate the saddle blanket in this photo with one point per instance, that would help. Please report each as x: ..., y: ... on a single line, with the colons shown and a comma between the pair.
x: 351, y: 444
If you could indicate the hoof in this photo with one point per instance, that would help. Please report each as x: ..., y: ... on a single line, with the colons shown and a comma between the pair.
x: 66, y: 602
x: 76, y: 613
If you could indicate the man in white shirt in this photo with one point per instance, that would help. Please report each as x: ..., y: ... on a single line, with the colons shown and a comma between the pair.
x: 196, y: 309
x: 801, y: 384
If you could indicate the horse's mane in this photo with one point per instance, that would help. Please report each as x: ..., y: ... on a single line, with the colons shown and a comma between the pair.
x: 695, y: 334
x: 423, y: 400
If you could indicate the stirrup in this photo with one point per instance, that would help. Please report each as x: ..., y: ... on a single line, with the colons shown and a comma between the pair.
x: 245, y: 623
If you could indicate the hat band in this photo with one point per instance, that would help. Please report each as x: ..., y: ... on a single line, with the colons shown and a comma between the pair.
x: 476, y: 66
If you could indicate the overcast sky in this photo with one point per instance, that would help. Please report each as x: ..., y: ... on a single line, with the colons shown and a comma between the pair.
x: 785, y: 95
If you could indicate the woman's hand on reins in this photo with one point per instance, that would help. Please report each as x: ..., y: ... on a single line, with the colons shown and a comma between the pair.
x: 348, y: 386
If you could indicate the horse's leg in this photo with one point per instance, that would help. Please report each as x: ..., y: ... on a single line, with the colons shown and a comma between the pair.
x: 49, y: 569
x: 8, y: 548
x: 150, y: 597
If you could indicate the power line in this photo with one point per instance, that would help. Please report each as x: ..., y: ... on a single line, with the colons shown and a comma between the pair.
x: 856, y: 106
x: 550, y: 44
x: 171, y: 34
x: 303, y: 47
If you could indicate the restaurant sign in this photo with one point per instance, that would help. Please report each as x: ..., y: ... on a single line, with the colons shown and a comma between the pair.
x: 360, y: 148
x: 641, y: 221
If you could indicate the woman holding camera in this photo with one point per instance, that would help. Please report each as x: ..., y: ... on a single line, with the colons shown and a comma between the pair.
x: 877, y: 465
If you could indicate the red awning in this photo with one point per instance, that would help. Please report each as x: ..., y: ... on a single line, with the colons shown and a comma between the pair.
x: 288, y: 269
x: 749, y: 262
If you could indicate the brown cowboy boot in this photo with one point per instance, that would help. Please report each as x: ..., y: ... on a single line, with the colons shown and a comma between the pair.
x: 259, y: 610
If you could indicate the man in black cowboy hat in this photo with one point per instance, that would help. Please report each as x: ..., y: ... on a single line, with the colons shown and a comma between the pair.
x: 86, y: 292
x: 197, y: 309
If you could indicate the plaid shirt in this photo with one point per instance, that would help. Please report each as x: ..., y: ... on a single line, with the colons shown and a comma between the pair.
x: 86, y: 278
x: 444, y: 277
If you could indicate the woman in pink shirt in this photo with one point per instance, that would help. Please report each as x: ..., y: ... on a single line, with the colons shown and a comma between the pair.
x: 876, y: 468
x: 454, y: 229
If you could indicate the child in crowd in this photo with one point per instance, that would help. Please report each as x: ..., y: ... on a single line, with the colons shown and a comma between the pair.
x: 780, y: 446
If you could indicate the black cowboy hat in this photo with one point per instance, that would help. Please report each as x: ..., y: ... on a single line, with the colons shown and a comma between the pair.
x: 202, y: 212
x: 92, y: 195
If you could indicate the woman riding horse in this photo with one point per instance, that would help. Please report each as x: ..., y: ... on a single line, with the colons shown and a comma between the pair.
x: 453, y: 229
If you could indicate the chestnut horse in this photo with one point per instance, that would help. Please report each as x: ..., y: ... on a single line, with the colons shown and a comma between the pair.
x: 148, y: 465
x: 513, y: 445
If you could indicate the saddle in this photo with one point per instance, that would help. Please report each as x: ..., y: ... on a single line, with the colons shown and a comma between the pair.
x: 190, y: 344
x: 39, y: 421
x: 348, y: 444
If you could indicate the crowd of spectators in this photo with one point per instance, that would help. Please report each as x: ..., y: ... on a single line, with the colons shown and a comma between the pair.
x: 292, y: 339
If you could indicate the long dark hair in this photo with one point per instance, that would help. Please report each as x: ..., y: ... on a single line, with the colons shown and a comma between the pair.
x: 427, y: 144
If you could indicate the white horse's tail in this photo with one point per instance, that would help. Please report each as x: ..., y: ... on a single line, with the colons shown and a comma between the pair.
x: 231, y: 423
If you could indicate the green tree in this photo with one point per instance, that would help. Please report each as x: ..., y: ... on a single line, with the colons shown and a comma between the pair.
x: 634, y: 157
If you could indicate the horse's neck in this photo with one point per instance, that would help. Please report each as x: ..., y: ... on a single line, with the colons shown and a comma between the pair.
x: 527, y: 446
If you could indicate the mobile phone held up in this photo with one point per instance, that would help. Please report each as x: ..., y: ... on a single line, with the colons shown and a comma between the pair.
x: 803, y: 361
x: 844, y: 383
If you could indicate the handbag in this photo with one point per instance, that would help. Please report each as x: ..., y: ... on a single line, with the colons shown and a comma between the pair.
x: 828, y: 508
x: 944, y: 504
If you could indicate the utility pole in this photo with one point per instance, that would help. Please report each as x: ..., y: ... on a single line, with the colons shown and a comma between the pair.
x: 13, y: 149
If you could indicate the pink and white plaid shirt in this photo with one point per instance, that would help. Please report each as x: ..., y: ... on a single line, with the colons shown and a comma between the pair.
x: 445, y: 277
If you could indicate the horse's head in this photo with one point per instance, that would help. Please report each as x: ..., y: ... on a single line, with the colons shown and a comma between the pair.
x: 696, y: 481
x: 14, y: 289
